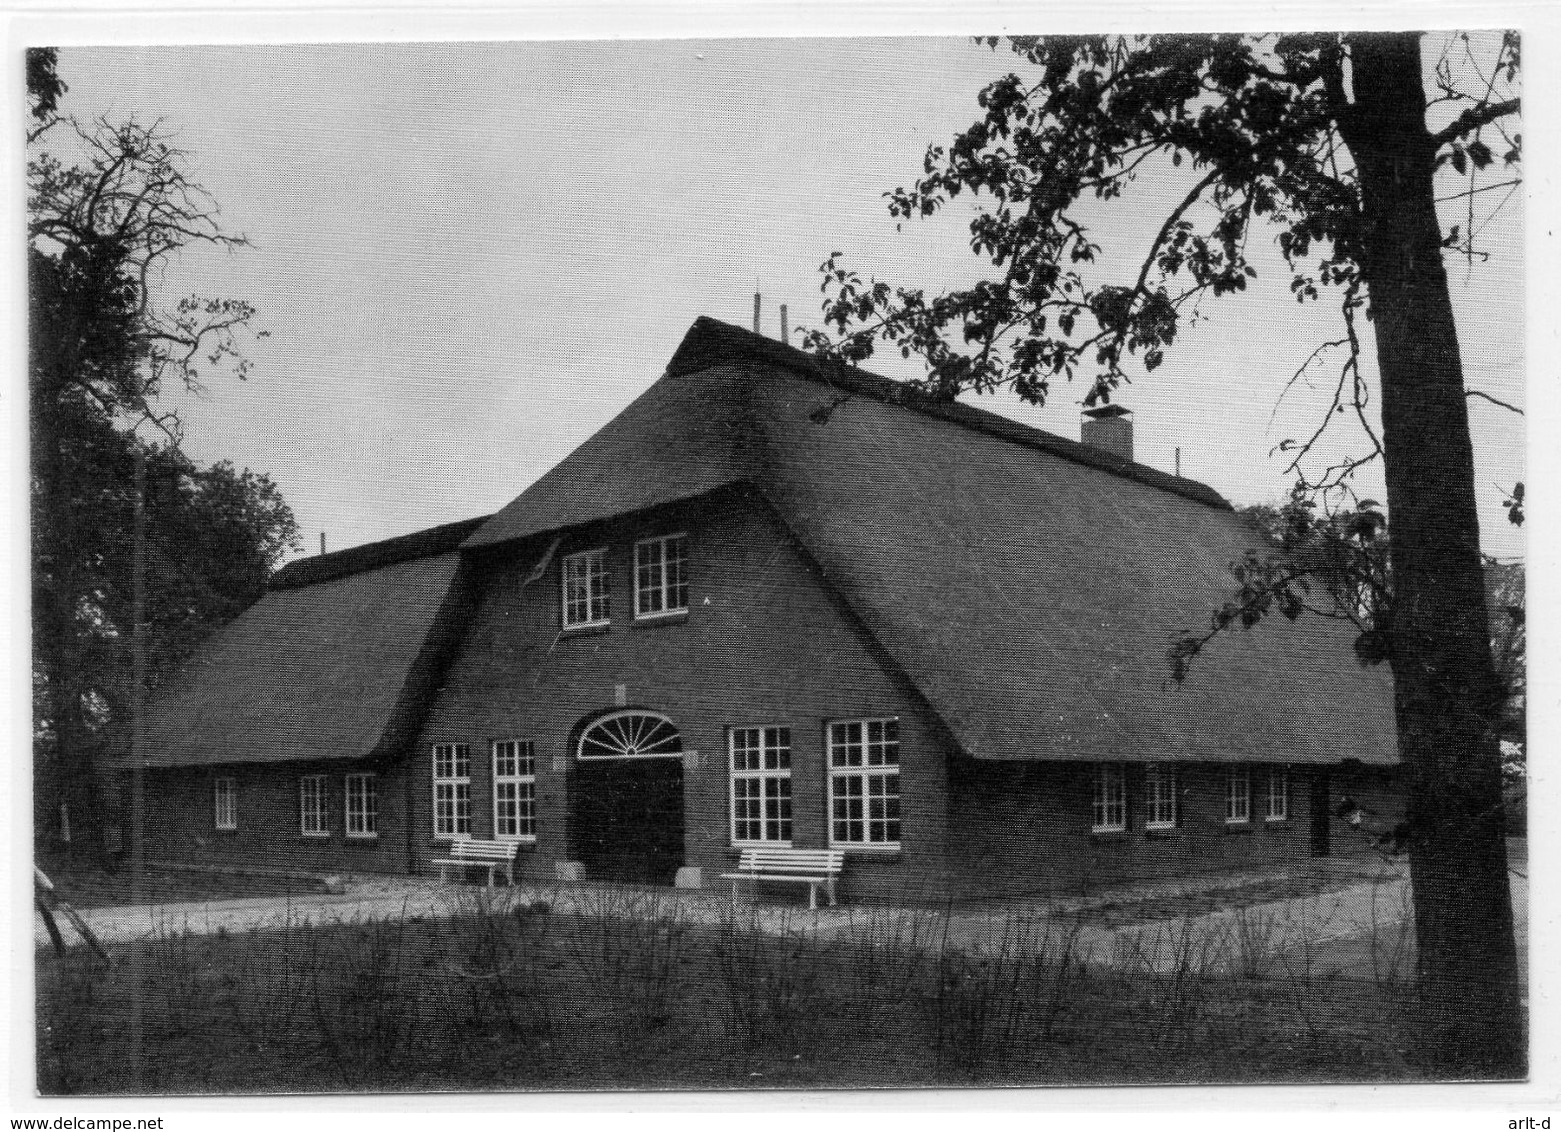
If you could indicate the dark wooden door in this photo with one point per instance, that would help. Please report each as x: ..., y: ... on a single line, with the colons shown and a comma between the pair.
x: 628, y: 818
x: 1320, y: 815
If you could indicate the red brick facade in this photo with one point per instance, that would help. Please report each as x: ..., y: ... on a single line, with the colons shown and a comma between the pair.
x: 764, y: 642
x: 181, y: 818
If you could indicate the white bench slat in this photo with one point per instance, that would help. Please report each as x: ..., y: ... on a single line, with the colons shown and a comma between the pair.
x: 484, y: 849
x: 812, y: 867
x: 468, y: 853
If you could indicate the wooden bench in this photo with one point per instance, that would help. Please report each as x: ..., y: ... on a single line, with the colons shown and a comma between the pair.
x: 469, y: 854
x: 812, y: 867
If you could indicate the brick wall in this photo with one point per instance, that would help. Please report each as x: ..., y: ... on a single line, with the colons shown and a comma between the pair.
x: 1026, y: 828
x: 181, y: 819
x: 763, y: 643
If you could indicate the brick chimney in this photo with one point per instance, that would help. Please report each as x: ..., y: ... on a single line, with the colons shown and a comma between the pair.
x: 1109, y: 428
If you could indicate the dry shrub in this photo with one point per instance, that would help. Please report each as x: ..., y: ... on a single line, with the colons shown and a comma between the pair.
x: 773, y: 981
x: 365, y: 1000
x: 626, y: 946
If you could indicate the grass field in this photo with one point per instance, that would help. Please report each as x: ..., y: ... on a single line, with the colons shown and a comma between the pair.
x: 629, y: 993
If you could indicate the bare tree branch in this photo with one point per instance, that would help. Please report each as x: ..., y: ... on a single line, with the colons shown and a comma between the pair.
x: 1475, y: 117
x: 1492, y: 400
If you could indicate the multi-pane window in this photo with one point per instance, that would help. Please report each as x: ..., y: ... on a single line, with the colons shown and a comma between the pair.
x: 311, y: 806
x: 864, y: 782
x: 452, y: 790
x: 225, y: 803
x: 1109, y: 811
x: 587, y: 594
x: 661, y: 576
x: 761, y: 784
x: 1238, y: 795
x: 1276, y: 799
x: 514, y: 790
x: 1159, y: 797
x: 362, y: 805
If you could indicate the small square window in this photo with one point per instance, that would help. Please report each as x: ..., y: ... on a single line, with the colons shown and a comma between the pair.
x: 362, y: 791
x: 661, y: 576
x: 1160, y: 797
x: 311, y: 806
x: 1238, y: 795
x: 587, y: 592
x: 1276, y: 799
x: 225, y: 803
x: 1109, y: 811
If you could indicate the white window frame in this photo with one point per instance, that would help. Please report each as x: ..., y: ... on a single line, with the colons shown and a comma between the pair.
x: 1161, y: 804
x: 451, y: 756
x: 1281, y: 812
x: 313, y: 806
x: 225, y: 802
x: 361, y: 805
x: 587, y: 568
x: 630, y: 734
x: 663, y: 586
x: 842, y: 773
x: 523, y: 780
x: 1108, y: 803
x: 1238, y: 794
x: 771, y: 782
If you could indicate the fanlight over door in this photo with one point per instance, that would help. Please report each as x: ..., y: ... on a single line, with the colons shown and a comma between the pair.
x: 631, y: 735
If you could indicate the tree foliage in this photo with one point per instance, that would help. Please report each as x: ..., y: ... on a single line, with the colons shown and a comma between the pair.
x: 1330, y: 564
x: 102, y: 223
x: 1336, y: 564
x: 1336, y: 144
x: 1248, y: 130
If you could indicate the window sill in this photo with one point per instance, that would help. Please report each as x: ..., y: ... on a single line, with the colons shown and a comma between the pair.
x: 854, y: 850
x: 369, y: 837
x: 594, y: 629
x: 651, y: 620
x: 1276, y: 821
x: 315, y: 836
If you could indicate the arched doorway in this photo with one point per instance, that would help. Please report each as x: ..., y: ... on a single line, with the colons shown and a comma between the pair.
x: 626, y: 797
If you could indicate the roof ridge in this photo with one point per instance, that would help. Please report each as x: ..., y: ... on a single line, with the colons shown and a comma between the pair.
x: 710, y: 342
x: 338, y: 564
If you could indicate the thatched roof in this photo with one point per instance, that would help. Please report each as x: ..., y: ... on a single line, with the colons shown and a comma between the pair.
x: 327, y: 664
x: 1027, y: 585
x: 371, y: 556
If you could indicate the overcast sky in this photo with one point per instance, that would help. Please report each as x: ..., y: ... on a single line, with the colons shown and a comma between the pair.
x: 469, y: 257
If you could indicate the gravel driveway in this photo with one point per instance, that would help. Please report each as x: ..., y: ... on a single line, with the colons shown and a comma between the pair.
x: 1345, y: 900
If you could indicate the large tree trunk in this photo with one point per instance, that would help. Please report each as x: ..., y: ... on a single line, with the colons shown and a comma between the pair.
x: 73, y: 780
x: 1446, y: 696
x: 70, y: 780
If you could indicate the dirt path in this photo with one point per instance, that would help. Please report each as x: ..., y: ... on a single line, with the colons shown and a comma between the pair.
x: 1320, y: 905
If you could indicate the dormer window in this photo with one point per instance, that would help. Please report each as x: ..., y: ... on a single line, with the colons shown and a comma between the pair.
x: 661, y: 576
x: 587, y: 594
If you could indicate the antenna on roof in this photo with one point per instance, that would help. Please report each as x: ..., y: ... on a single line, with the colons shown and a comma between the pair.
x: 1178, y: 461
x: 756, y: 312
x: 785, y: 333
x: 322, y: 542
